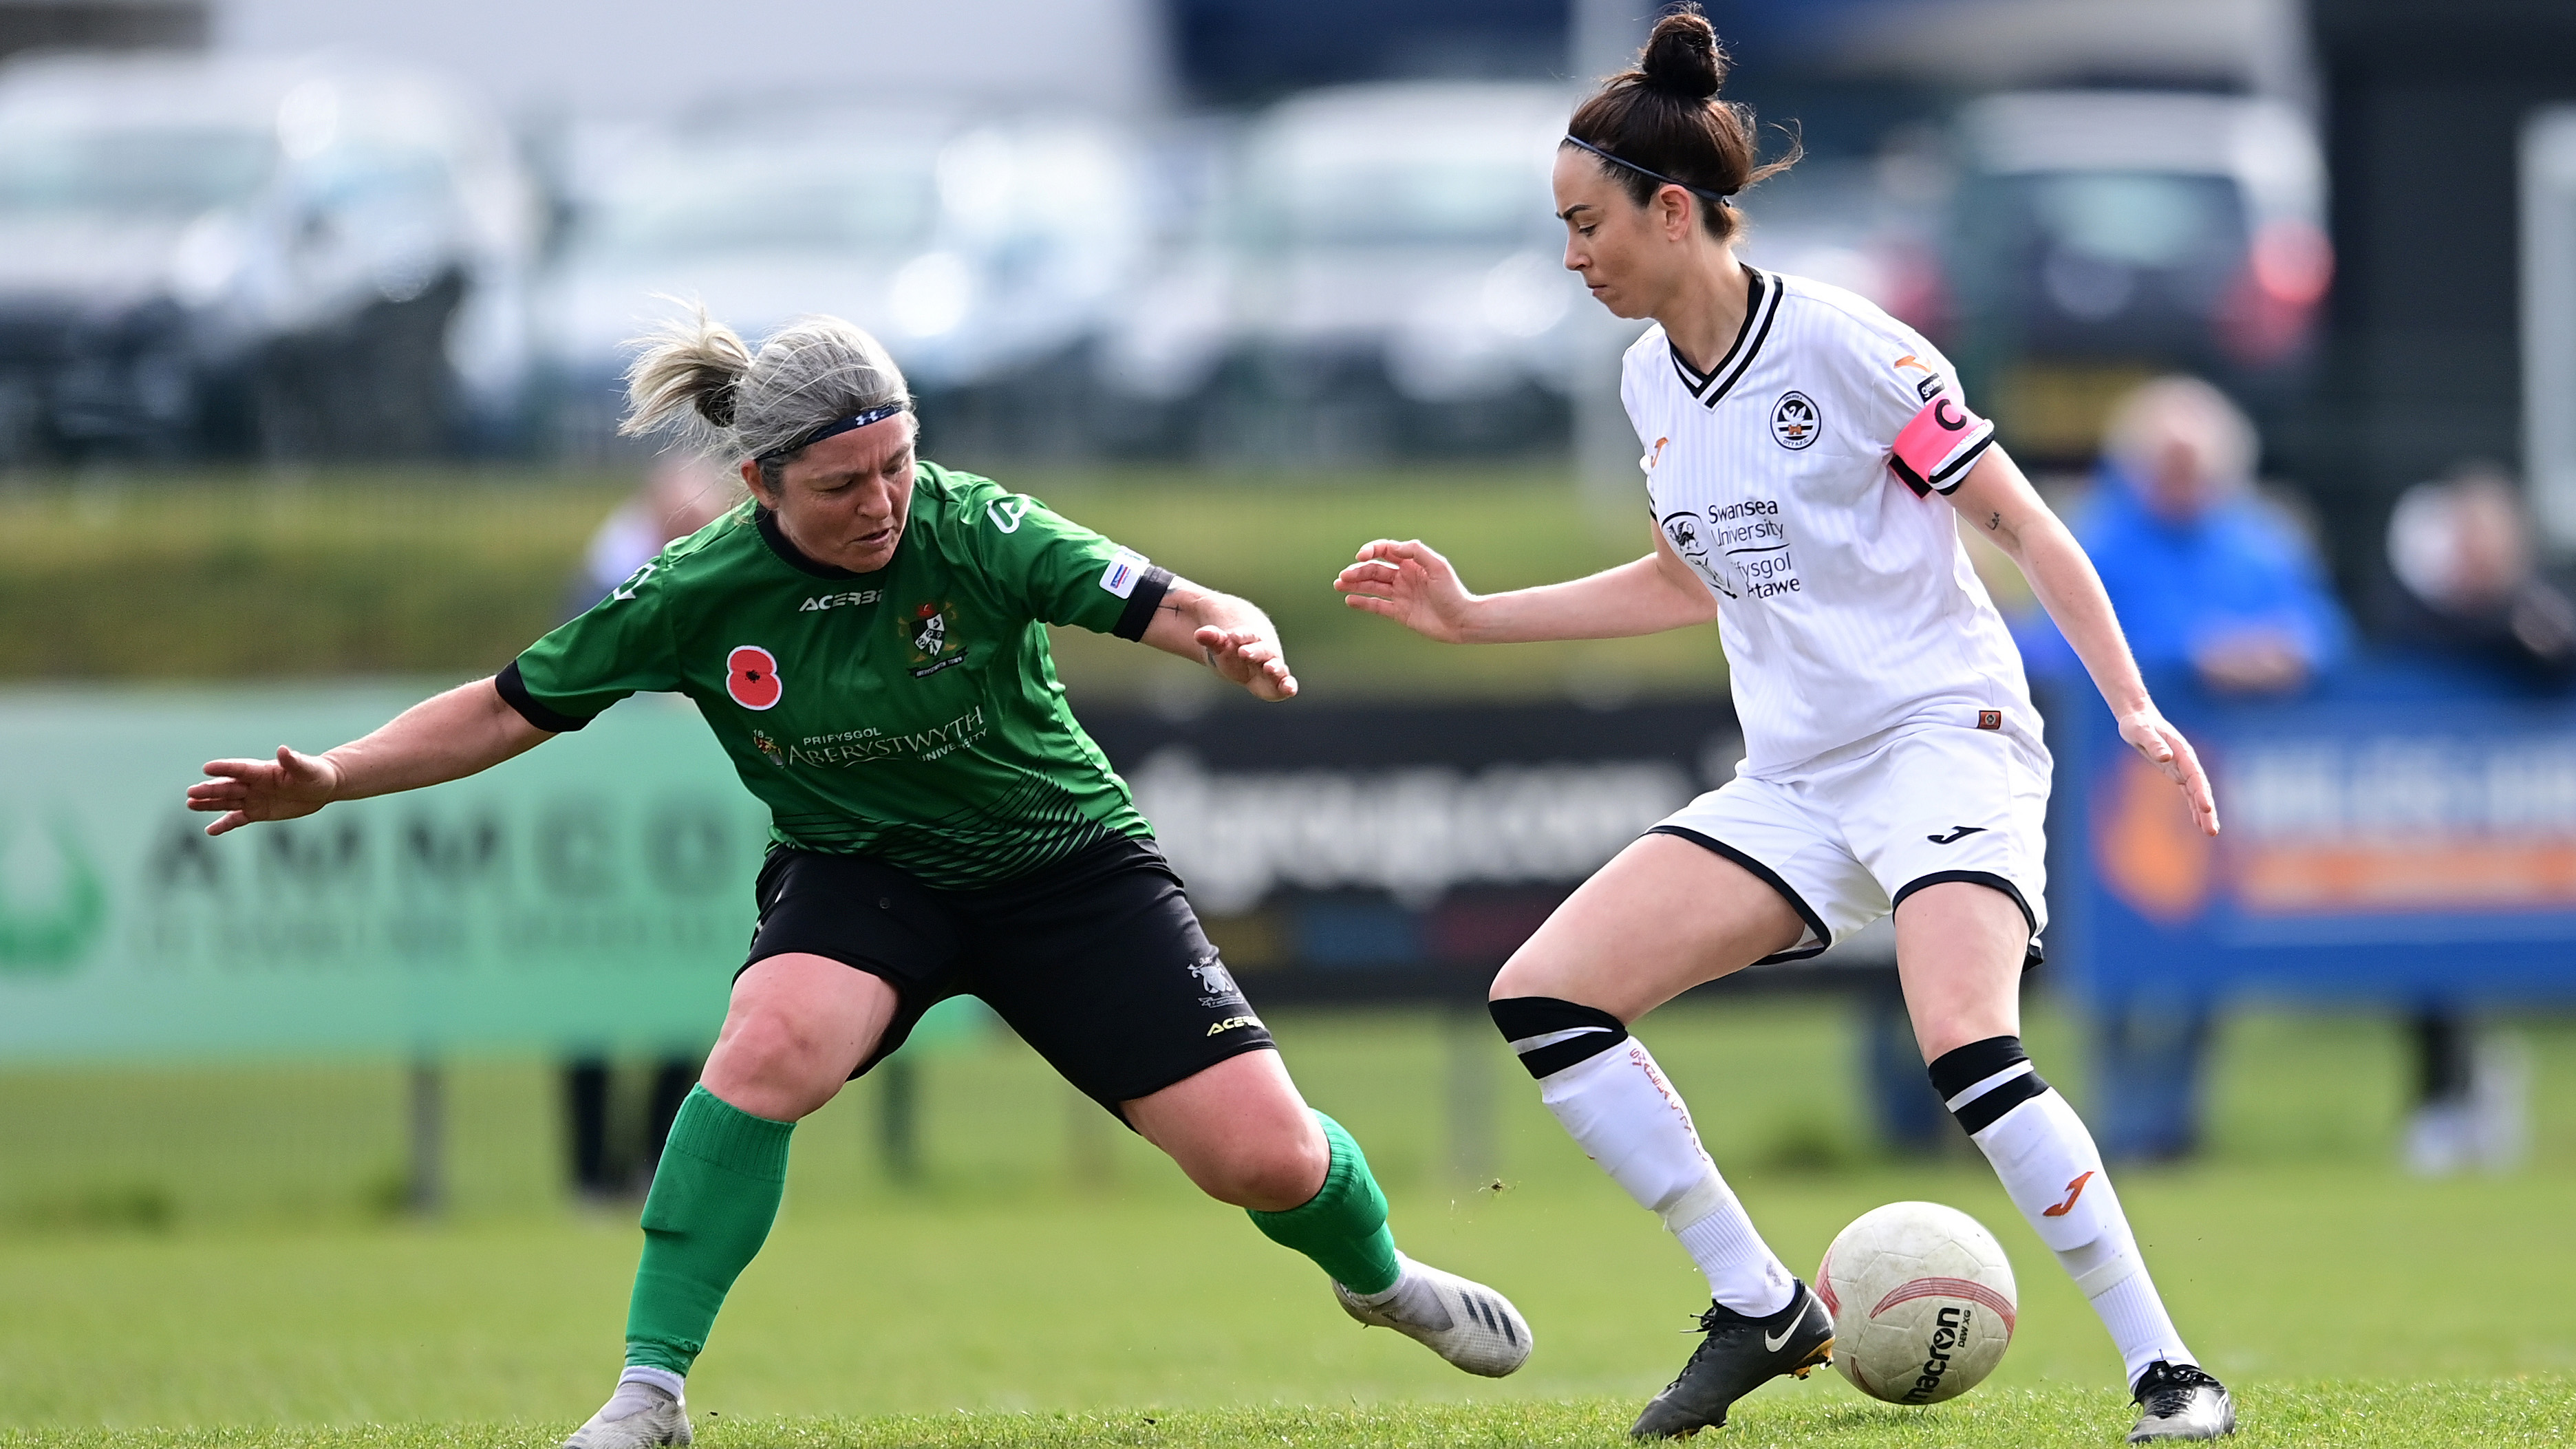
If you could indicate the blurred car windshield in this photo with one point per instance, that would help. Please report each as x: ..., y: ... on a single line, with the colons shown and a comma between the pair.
x: 740, y: 201
x: 132, y: 171
x: 2160, y: 220
x: 1377, y: 200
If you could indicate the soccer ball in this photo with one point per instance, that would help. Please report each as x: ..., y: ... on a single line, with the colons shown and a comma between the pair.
x: 1922, y: 1298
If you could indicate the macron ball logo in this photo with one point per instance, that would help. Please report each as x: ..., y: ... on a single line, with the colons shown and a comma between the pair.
x: 751, y: 677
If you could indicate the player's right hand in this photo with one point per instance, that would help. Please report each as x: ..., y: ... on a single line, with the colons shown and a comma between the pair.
x: 296, y: 784
x: 1412, y: 584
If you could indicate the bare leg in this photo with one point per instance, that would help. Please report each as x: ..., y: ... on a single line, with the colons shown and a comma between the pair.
x: 798, y: 1026
x: 1240, y: 1131
x: 1659, y: 919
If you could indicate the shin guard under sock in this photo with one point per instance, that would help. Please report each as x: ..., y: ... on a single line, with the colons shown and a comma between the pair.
x: 1611, y: 1097
x: 715, y: 1193
x: 1343, y: 1226
x: 2053, y: 1173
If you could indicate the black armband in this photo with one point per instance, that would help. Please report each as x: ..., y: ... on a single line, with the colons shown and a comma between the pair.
x: 1141, y: 604
x: 515, y: 690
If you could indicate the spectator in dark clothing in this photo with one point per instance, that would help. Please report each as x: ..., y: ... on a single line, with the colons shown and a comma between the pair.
x: 679, y: 497
x: 2204, y: 575
x: 2468, y: 589
x: 2467, y: 584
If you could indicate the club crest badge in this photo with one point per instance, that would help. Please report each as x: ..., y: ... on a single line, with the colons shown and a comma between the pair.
x: 1795, y: 422
x: 751, y: 677
x: 935, y: 645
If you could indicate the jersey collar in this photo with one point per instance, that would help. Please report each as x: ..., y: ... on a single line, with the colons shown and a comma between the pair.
x: 792, y: 556
x: 1761, y: 304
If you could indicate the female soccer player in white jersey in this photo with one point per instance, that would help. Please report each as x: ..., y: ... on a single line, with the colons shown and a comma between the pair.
x: 1807, y: 458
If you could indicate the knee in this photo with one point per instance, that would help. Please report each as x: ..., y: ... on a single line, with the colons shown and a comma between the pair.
x: 1271, y: 1172
x: 769, y: 1064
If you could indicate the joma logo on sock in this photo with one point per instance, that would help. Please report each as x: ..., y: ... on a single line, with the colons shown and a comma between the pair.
x: 1950, y: 1330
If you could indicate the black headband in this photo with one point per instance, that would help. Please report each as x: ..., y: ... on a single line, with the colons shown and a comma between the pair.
x: 834, y: 429
x: 1719, y: 197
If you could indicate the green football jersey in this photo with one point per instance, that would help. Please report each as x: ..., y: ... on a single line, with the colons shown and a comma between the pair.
x: 911, y: 714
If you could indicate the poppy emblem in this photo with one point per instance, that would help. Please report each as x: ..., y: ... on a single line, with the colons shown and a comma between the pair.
x: 751, y: 677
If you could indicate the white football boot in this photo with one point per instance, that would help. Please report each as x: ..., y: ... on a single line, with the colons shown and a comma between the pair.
x: 635, y: 1417
x: 1466, y: 1323
x: 2180, y: 1401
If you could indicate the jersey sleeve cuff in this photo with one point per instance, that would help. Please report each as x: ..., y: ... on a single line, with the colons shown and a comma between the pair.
x: 515, y: 690
x: 1139, y: 613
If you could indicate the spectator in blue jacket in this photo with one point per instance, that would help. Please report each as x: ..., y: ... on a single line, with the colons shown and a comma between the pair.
x: 2205, y: 576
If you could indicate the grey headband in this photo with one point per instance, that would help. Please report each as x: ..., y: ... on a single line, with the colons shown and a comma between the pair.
x: 1719, y: 197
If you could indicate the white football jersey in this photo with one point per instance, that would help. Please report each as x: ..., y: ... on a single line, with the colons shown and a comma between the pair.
x: 1797, y: 480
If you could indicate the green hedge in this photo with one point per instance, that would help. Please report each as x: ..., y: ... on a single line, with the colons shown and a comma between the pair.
x: 451, y: 572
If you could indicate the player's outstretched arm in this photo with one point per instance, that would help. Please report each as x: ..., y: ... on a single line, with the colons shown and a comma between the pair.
x: 445, y: 737
x: 1229, y: 635
x: 2002, y: 505
x: 1412, y: 584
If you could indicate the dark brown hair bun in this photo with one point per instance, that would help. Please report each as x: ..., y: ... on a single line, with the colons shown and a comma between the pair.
x: 1683, y: 57
x: 1664, y: 120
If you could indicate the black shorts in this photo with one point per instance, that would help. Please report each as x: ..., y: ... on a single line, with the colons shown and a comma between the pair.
x: 1097, y: 962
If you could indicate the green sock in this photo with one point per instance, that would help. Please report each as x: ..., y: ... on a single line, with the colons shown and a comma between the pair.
x: 1343, y: 1226
x: 714, y: 1196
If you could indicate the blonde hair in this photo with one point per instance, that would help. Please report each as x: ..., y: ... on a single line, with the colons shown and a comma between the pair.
x: 695, y: 378
x: 2180, y: 403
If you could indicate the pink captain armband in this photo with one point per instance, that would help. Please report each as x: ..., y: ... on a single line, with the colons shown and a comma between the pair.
x: 1934, y: 452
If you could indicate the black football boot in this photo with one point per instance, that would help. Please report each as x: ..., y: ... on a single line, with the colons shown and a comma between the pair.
x: 1738, y: 1355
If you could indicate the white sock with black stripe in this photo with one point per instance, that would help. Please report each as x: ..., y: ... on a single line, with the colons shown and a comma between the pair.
x: 2053, y: 1173
x: 1611, y: 1097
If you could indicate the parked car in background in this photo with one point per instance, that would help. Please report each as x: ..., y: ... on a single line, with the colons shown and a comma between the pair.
x: 296, y: 257
x: 984, y: 255
x: 1381, y: 275
x: 2102, y: 237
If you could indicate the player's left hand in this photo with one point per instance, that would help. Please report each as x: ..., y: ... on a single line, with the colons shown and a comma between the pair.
x: 2164, y: 747
x: 1250, y: 659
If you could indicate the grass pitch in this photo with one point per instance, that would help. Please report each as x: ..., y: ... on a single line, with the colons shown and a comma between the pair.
x: 1049, y: 1277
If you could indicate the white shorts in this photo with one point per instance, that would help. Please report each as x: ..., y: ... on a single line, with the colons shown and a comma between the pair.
x: 1847, y: 841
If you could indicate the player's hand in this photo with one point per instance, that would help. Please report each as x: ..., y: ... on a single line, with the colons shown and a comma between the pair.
x: 1412, y: 584
x: 2164, y: 747
x: 295, y: 784
x: 1248, y: 658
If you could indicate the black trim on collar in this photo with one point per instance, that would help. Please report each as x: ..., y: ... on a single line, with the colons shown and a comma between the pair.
x: 792, y: 556
x: 1761, y: 304
x: 514, y: 692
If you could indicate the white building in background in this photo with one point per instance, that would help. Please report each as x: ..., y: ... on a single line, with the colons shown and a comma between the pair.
x: 650, y: 60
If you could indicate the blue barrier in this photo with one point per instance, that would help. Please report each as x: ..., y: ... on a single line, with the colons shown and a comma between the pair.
x: 2401, y: 835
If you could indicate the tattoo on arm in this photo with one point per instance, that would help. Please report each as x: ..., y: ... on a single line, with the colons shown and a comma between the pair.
x: 1994, y: 522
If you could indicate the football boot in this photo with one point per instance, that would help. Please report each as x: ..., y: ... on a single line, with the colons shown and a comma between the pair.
x: 1737, y: 1356
x: 637, y: 1416
x: 1464, y: 1322
x: 2180, y: 1401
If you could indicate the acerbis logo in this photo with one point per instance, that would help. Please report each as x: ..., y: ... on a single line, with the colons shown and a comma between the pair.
x: 1795, y: 421
x: 751, y: 677
x: 633, y: 582
x: 821, y: 602
x: 1007, y: 513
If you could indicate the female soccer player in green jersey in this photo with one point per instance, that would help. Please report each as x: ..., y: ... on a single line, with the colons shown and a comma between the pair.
x: 866, y: 637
